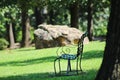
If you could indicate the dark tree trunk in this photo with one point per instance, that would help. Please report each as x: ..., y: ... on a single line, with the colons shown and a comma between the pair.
x: 90, y: 20
x: 51, y: 15
x: 110, y: 68
x: 74, y: 12
x: 14, y: 33
x: 25, y: 29
x: 38, y: 16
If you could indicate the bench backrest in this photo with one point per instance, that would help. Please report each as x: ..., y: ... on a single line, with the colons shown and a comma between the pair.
x: 80, y: 44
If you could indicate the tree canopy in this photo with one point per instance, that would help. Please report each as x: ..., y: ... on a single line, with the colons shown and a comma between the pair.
x: 61, y: 12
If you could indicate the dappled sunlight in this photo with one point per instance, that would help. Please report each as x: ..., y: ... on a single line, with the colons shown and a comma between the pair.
x: 32, y: 64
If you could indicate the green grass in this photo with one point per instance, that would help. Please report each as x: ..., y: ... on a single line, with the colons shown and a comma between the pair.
x: 31, y: 64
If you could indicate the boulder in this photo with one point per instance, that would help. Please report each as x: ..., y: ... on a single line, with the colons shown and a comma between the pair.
x: 56, y: 35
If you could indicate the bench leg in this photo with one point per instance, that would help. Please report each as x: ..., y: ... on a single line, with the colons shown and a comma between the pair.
x: 58, y: 64
x: 68, y: 66
x: 55, y: 65
x: 80, y: 63
x: 77, y: 66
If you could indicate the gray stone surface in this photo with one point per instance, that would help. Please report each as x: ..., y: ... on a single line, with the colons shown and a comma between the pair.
x: 56, y: 35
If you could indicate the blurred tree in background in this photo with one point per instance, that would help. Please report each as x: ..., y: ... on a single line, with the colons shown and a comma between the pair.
x: 21, y: 17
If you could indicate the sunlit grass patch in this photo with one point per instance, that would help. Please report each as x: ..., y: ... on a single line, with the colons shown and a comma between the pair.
x: 32, y: 64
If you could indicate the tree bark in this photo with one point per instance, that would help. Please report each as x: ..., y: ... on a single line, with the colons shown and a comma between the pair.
x: 11, y: 36
x: 90, y: 20
x: 74, y: 12
x: 51, y: 15
x: 25, y: 29
x: 14, y: 29
x: 110, y: 68
x: 38, y: 16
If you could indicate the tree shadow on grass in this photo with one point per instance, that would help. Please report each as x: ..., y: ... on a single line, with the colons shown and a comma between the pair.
x: 93, y: 54
x: 29, y: 62
x: 31, y: 76
x: 88, y: 75
x: 86, y: 55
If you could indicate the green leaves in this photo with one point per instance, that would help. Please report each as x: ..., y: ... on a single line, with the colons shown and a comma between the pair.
x: 4, y: 3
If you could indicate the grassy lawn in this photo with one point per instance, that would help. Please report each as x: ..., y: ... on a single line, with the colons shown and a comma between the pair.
x: 31, y: 64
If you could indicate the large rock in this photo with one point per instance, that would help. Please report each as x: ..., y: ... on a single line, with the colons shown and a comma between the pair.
x: 51, y: 36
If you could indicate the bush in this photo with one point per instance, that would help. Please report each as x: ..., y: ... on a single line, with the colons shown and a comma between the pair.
x: 3, y: 44
x: 100, y: 31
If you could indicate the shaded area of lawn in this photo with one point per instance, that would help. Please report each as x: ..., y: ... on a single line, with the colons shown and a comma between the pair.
x: 86, y: 55
x: 88, y: 75
x: 29, y: 62
x: 93, y: 54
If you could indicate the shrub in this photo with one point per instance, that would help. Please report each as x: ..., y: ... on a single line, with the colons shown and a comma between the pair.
x: 3, y: 43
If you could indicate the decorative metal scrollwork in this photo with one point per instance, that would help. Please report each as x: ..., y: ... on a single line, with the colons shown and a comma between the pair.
x: 66, y: 50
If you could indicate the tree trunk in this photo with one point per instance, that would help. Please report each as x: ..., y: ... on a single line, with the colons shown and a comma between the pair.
x: 51, y: 15
x: 90, y: 20
x: 25, y: 29
x: 38, y: 16
x: 11, y: 36
x: 110, y: 68
x: 74, y: 12
x: 14, y: 33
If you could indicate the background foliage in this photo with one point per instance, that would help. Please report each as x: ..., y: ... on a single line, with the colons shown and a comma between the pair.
x: 55, y: 12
